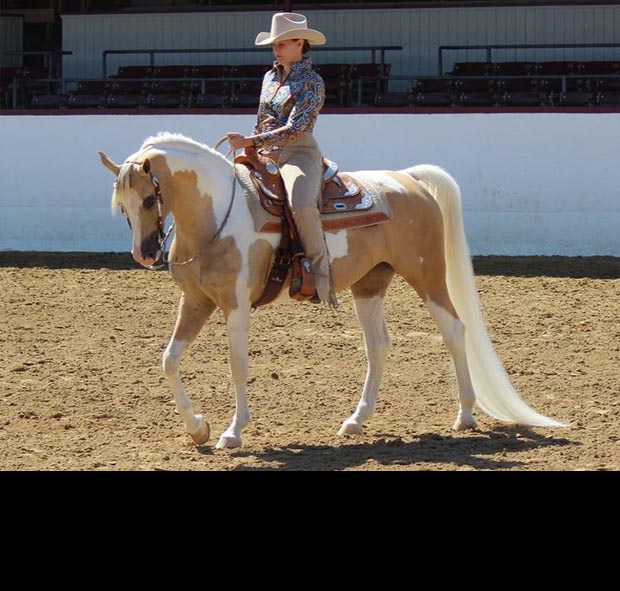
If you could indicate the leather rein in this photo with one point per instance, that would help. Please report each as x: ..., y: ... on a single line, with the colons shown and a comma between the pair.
x: 163, y: 236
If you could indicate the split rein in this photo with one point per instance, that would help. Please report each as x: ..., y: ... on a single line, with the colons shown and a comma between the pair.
x: 163, y: 236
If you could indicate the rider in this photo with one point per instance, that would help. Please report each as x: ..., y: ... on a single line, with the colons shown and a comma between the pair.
x: 291, y: 97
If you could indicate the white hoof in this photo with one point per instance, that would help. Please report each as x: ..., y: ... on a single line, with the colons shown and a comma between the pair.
x: 351, y: 428
x: 228, y: 442
x: 202, y: 433
x: 465, y: 424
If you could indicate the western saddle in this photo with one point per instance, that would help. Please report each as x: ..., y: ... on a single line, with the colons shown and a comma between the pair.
x: 341, y: 194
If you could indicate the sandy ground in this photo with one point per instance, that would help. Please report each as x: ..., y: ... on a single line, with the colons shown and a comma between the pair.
x: 81, y: 386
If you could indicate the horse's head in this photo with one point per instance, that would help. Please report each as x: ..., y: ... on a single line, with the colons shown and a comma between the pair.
x: 137, y: 194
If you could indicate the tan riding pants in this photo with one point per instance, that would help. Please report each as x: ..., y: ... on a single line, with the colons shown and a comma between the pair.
x: 301, y: 167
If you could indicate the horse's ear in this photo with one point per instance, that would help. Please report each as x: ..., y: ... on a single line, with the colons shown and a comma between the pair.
x: 146, y: 167
x: 115, y: 168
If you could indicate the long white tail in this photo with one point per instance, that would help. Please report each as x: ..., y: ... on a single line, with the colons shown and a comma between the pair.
x: 494, y: 393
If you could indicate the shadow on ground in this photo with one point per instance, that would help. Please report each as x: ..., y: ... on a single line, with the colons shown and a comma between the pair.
x: 479, y: 451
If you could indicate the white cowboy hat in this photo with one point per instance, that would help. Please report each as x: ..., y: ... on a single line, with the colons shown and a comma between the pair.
x: 289, y: 25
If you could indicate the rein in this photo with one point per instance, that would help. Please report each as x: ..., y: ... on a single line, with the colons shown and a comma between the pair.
x: 163, y: 237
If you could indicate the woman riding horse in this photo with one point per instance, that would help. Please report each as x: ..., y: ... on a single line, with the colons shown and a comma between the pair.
x: 291, y: 98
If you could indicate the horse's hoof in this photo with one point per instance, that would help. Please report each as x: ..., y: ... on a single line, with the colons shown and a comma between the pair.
x: 465, y: 424
x: 202, y: 435
x: 228, y: 442
x: 351, y: 428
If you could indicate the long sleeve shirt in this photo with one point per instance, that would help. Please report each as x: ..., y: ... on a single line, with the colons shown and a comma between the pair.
x: 290, y: 106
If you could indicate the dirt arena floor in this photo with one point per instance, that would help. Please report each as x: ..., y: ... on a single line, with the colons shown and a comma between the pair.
x: 81, y: 386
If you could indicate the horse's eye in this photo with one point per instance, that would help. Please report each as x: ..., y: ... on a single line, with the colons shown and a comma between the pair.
x: 149, y: 202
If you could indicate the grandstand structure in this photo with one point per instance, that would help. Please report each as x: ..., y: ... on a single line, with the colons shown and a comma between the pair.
x: 197, y: 55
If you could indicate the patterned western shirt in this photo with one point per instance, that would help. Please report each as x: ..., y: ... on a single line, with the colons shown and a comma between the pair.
x: 290, y: 106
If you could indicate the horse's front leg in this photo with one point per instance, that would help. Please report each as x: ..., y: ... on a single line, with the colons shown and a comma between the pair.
x: 190, y: 319
x: 238, y: 328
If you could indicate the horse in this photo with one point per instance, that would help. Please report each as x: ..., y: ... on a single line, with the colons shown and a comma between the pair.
x: 219, y: 260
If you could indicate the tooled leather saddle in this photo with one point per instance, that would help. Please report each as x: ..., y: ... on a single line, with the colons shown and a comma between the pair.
x: 341, y: 194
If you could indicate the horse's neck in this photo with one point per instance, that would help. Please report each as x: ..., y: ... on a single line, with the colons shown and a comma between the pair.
x: 201, y: 213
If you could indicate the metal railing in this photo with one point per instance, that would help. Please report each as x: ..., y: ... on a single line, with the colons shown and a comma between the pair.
x: 51, y: 59
x: 374, y: 50
x: 490, y: 48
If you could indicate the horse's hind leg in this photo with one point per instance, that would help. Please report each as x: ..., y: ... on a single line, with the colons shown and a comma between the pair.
x: 190, y: 319
x: 369, y: 294
x: 453, y: 332
x: 434, y: 292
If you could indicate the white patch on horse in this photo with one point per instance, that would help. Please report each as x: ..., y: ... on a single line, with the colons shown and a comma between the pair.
x: 237, y: 226
x: 131, y: 204
x: 210, y: 182
x: 337, y: 244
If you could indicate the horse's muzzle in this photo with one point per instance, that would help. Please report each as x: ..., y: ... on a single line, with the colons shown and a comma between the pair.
x: 150, y: 252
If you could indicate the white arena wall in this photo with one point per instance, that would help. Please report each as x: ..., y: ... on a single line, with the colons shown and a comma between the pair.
x: 532, y: 183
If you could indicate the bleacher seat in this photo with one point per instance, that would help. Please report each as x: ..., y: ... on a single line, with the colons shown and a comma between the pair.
x: 423, y: 84
x: 599, y: 67
x: 247, y: 87
x: 434, y: 99
x: 575, y: 98
x: 171, y: 72
x: 517, y: 84
x: 607, y: 84
x: 172, y: 87
x: 471, y: 69
x: 560, y: 85
x: 524, y: 99
x: 556, y: 68
x: 87, y: 101
x: 472, y: 84
x: 210, y: 71
x: 120, y: 86
x: 93, y: 87
x: 249, y: 71
x: 610, y: 99
x: 393, y: 99
x: 49, y: 101
x: 212, y: 100
x: 166, y: 101
x: 134, y: 72
x: 476, y: 99
x: 125, y: 101
x: 247, y: 101
x: 513, y: 68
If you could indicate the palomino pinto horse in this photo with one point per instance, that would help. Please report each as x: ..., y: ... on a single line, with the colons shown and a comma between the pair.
x: 218, y: 259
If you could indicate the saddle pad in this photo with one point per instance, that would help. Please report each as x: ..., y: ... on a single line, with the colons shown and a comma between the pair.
x: 265, y: 222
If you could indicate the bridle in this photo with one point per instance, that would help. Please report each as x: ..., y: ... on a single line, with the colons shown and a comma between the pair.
x: 163, y: 236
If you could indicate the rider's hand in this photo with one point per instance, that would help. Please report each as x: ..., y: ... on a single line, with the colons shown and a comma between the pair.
x: 238, y: 140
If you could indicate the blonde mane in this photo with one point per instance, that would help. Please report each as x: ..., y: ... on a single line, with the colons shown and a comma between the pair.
x: 176, y: 141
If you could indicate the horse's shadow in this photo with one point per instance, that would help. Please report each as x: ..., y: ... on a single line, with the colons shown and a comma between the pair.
x: 491, y: 450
